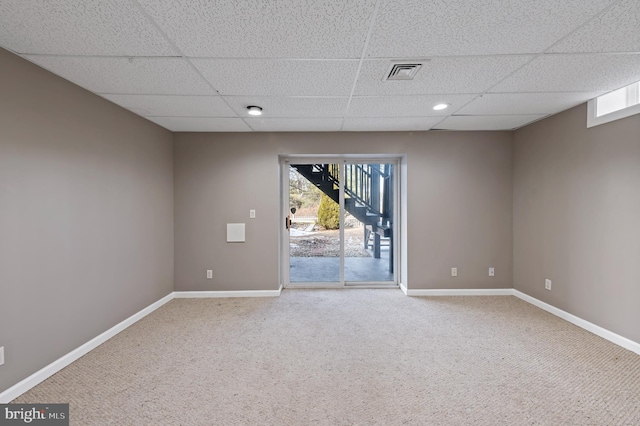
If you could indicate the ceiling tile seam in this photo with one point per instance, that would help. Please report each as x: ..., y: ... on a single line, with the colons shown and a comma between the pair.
x: 413, y: 95
x: 621, y: 53
x: 376, y: 59
x: 218, y: 92
x: 439, y: 122
x: 64, y: 55
x: 374, y: 17
x: 350, y: 117
x: 15, y: 52
x: 546, y: 92
x: 534, y: 121
x: 429, y: 57
x: 216, y: 95
x: 500, y: 115
x: 188, y: 61
x: 477, y: 96
x: 585, y: 23
x: 269, y: 59
x: 46, y: 68
x: 488, y: 90
x: 288, y: 96
x: 191, y: 116
x: 252, y: 119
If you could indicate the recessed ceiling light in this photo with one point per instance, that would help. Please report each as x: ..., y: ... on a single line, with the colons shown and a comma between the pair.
x: 254, y: 110
x: 441, y: 106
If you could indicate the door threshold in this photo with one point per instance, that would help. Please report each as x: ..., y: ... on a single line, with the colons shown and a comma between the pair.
x: 348, y: 286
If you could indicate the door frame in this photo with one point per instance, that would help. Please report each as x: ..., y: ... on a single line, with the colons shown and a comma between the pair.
x: 283, y: 240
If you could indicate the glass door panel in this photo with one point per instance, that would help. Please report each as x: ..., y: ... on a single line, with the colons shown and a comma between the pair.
x: 368, y: 224
x: 314, y: 224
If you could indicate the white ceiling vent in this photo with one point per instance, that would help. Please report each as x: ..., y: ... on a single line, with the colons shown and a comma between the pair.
x: 402, y: 71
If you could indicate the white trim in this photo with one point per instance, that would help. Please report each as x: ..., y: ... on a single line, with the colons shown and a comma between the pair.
x: 18, y: 389
x: 595, y: 329
x: 461, y: 292
x: 399, y: 210
x: 586, y: 325
x: 214, y: 294
x: 39, y: 376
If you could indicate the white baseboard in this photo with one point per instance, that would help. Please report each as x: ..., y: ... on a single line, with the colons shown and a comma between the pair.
x: 46, y: 372
x: 595, y: 329
x: 461, y: 292
x: 241, y: 293
x: 39, y: 376
x: 586, y: 325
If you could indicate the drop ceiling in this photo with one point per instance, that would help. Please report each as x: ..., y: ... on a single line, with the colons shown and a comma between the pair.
x: 320, y: 65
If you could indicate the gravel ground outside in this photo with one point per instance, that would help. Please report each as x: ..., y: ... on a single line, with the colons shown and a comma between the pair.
x: 326, y: 243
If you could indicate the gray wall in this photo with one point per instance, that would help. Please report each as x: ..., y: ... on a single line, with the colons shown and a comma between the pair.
x: 86, y: 216
x: 577, y: 217
x: 459, y: 204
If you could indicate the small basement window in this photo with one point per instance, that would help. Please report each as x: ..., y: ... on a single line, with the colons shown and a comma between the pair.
x: 614, y: 105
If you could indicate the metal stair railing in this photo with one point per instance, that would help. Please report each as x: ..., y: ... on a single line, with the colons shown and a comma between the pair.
x: 362, y: 184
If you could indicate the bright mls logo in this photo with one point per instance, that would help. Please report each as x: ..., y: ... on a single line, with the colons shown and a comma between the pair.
x: 34, y: 414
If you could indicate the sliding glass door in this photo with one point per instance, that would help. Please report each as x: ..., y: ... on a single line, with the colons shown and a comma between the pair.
x: 339, y: 223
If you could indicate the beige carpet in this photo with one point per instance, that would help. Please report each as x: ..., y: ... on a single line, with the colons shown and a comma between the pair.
x: 350, y: 357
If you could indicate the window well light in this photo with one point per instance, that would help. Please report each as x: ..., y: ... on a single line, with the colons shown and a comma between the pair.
x: 441, y: 107
x: 254, y: 110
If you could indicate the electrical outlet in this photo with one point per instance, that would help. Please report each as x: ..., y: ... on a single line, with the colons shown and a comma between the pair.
x: 454, y: 272
x: 1, y: 355
x: 209, y: 274
x: 252, y: 214
x: 492, y: 272
x: 547, y: 284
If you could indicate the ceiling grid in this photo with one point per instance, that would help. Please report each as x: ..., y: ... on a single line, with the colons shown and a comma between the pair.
x: 320, y: 65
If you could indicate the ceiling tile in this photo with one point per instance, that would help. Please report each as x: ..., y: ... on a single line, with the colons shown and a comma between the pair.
x: 525, y: 103
x: 574, y: 73
x: 173, y: 106
x: 405, y: 106
x: 439, y: 75
x: 261, y: 77
x: 418, y: 28
x: 616, y: 30
x: 158, y: 76
x: 200, y: 124
x: 79, y: 27
x: 295, y: 124
x: 290, y: 106
x: 486, y: 122
x: 359, y: 124
x: 274, y: 29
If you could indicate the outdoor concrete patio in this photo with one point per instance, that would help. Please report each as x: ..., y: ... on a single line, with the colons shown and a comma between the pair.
x: 327, y: 269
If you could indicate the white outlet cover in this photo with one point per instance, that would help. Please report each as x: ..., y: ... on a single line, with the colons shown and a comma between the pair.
x: 1, y: 355
x: 492, y: 272
x: 252, y: 214
x: 454, y: 272
x: 547, y: 284
x: 209, y: 274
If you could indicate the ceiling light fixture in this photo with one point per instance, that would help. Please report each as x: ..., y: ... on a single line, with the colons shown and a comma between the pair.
x: 440, y: 107
x: 254, y: 110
